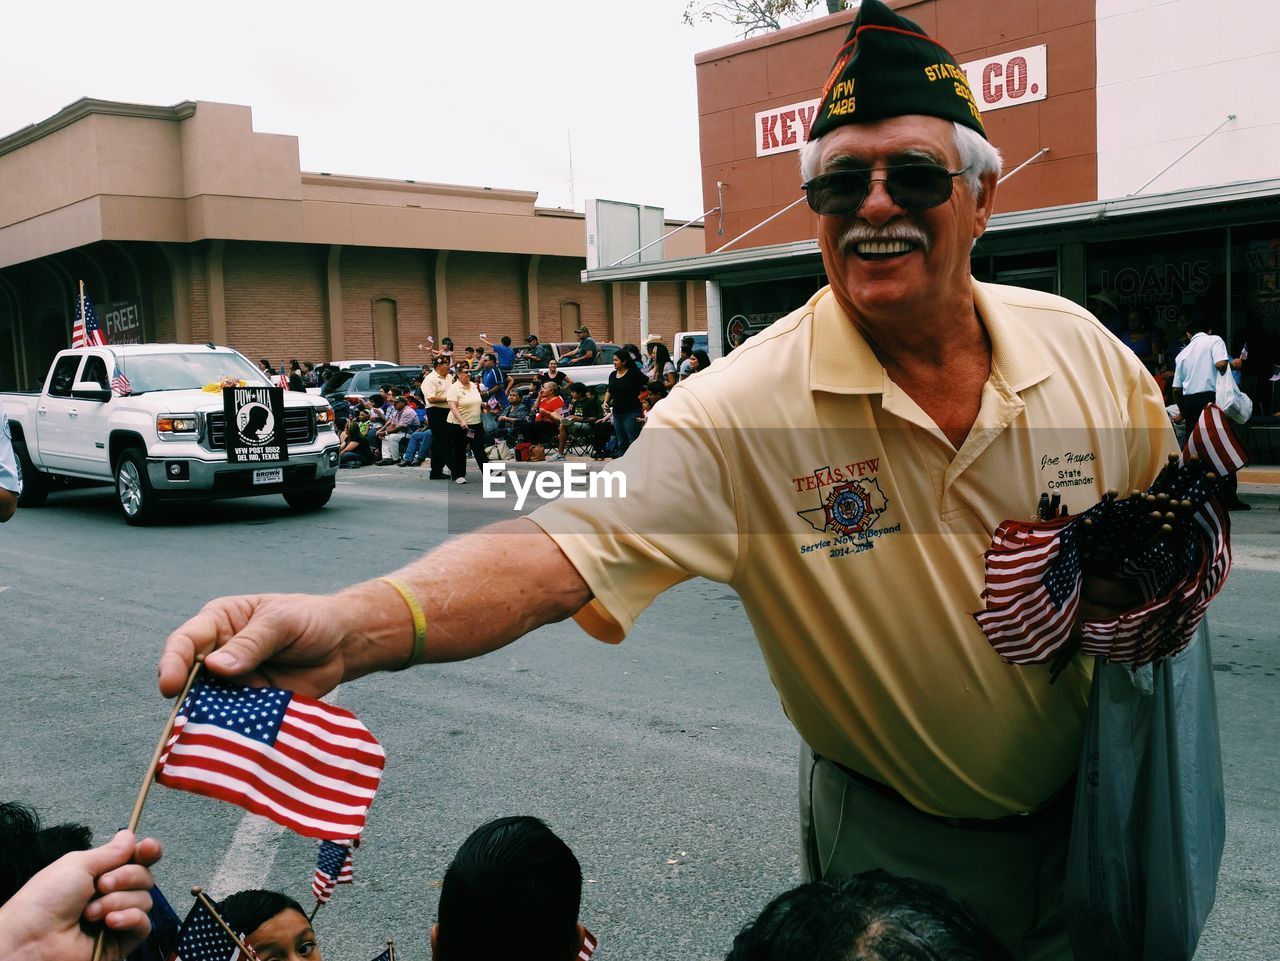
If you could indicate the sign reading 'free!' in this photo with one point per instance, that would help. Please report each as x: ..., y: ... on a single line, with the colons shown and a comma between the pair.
x: 1005, y: 80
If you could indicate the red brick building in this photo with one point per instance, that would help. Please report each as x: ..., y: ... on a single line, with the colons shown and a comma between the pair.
x: 1139, y: 143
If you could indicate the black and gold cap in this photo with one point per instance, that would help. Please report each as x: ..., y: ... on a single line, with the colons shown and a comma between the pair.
x: 888, y: 67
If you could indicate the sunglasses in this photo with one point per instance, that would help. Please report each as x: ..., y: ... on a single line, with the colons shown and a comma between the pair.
x: 911, y: 186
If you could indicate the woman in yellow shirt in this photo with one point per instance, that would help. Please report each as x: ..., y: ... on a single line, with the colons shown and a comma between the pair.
x: 465, y: 426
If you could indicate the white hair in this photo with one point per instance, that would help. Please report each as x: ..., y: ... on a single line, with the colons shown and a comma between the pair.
x: 978, y: 157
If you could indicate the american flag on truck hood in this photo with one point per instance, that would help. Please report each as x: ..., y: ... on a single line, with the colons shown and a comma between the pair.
x: 302, y: 763
x: 1172, y: 540
x: 120, y: 383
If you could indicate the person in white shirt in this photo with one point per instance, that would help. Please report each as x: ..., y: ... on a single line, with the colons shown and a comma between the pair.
x: 1195, y: 379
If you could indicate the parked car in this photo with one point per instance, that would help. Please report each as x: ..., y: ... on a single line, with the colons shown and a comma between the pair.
x: 699, y: 338
x: 360, y: 364
x: 356, y: 384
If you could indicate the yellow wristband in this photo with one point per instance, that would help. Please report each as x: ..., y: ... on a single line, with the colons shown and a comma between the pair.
x: 419, y: 622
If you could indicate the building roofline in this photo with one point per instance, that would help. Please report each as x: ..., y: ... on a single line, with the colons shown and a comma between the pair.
x: 803, y: 29
x: 702, y: 265
x: 323, y: 179
x: 87, y: 106
x: 1046, y: 218
x: 1243, y: 191
x: 774, y: 36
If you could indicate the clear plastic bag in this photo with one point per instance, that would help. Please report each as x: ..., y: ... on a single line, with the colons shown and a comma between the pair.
x: 1149, y: 823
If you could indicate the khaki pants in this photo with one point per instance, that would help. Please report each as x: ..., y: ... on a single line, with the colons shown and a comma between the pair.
x: 1010, y: 872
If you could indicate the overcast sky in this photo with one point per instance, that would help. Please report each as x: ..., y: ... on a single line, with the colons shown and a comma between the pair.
x: 467, y: 93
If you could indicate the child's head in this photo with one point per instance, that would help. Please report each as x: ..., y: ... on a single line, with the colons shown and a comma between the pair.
x: 27, y: 846
x: 873, y: 916
x: 273, y: 924
x: 513, y: 890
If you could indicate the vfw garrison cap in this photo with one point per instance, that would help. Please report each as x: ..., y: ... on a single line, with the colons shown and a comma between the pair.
x: 888, y: 67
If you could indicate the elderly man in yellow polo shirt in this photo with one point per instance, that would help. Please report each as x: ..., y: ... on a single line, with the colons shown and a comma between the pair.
x: 849, y: 506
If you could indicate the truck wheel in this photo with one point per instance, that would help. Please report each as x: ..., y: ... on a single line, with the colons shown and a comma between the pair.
x: 308, y: 500
x: 136, y: 496
x: 35, y: 482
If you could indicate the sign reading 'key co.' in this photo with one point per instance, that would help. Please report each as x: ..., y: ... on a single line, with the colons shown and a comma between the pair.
x: 1008, y: 79
x: 1005, y: 80
x: 784, y: 128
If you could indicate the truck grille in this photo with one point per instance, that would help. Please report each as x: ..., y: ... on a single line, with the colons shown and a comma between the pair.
x: 299, y: 428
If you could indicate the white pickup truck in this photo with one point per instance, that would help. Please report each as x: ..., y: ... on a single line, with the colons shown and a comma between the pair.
x: 165, y: 439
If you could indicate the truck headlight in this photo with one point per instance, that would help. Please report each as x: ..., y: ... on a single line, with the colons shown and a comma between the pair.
x: 324, y: 415
x: 176, y: 424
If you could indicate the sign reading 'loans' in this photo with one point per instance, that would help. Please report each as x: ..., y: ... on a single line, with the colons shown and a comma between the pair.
x: 254, y: 424
x: 1005, y: 80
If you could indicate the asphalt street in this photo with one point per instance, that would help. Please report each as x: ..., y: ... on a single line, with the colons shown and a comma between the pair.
x: 666, y: 762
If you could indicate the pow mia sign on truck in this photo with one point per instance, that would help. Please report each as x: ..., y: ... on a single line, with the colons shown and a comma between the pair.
x: 255, y: 424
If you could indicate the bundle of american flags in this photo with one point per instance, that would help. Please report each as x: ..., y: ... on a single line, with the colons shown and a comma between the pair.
x: 1172, y: 541
x: 301, y: 762
x: 333, y: 867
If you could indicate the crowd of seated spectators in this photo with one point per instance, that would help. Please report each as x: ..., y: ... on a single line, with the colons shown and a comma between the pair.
x: 390, y: 427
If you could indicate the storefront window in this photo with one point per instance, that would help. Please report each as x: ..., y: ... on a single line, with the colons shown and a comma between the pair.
x: 1255, y: 310
x: 1145, y: 288
x: 750, y: 308
x: 1037, y: 269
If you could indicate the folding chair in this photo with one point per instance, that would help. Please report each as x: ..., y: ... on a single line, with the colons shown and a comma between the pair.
x: 579, y: 440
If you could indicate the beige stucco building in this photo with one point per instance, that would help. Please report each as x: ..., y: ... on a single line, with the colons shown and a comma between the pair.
x: 187, y: 225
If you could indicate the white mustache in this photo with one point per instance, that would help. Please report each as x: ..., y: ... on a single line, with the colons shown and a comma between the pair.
x: 864, y: 233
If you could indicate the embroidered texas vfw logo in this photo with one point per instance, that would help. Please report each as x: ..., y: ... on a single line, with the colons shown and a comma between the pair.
x: 848, y: 504
x: 850, y: 508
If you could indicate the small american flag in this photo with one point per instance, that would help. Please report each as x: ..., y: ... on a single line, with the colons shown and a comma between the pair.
x: 385, y: 955
x: 85, y: 331
x: 302, y: 763
x: 333, y: 867
x: 120, y: 383
x: 203, y: 938
x: 1178, y: 558
x: 1214, y: 442
x: 588, y: 948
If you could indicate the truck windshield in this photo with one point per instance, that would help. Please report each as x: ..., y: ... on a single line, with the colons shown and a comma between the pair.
x: 187, y: 371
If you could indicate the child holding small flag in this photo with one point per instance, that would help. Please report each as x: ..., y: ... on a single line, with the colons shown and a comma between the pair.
x: 274, y: 925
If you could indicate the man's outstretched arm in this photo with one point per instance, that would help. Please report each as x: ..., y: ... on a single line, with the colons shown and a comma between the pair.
x: 311, y: 643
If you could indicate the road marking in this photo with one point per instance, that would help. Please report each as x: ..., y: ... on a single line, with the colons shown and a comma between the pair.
x: 247, y: 863
x: 1250, y: 558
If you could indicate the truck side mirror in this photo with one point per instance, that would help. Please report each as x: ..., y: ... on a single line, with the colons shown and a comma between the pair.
x: 90, y: 390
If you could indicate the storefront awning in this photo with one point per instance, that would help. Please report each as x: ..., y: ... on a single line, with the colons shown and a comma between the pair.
x: 803, y: 255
